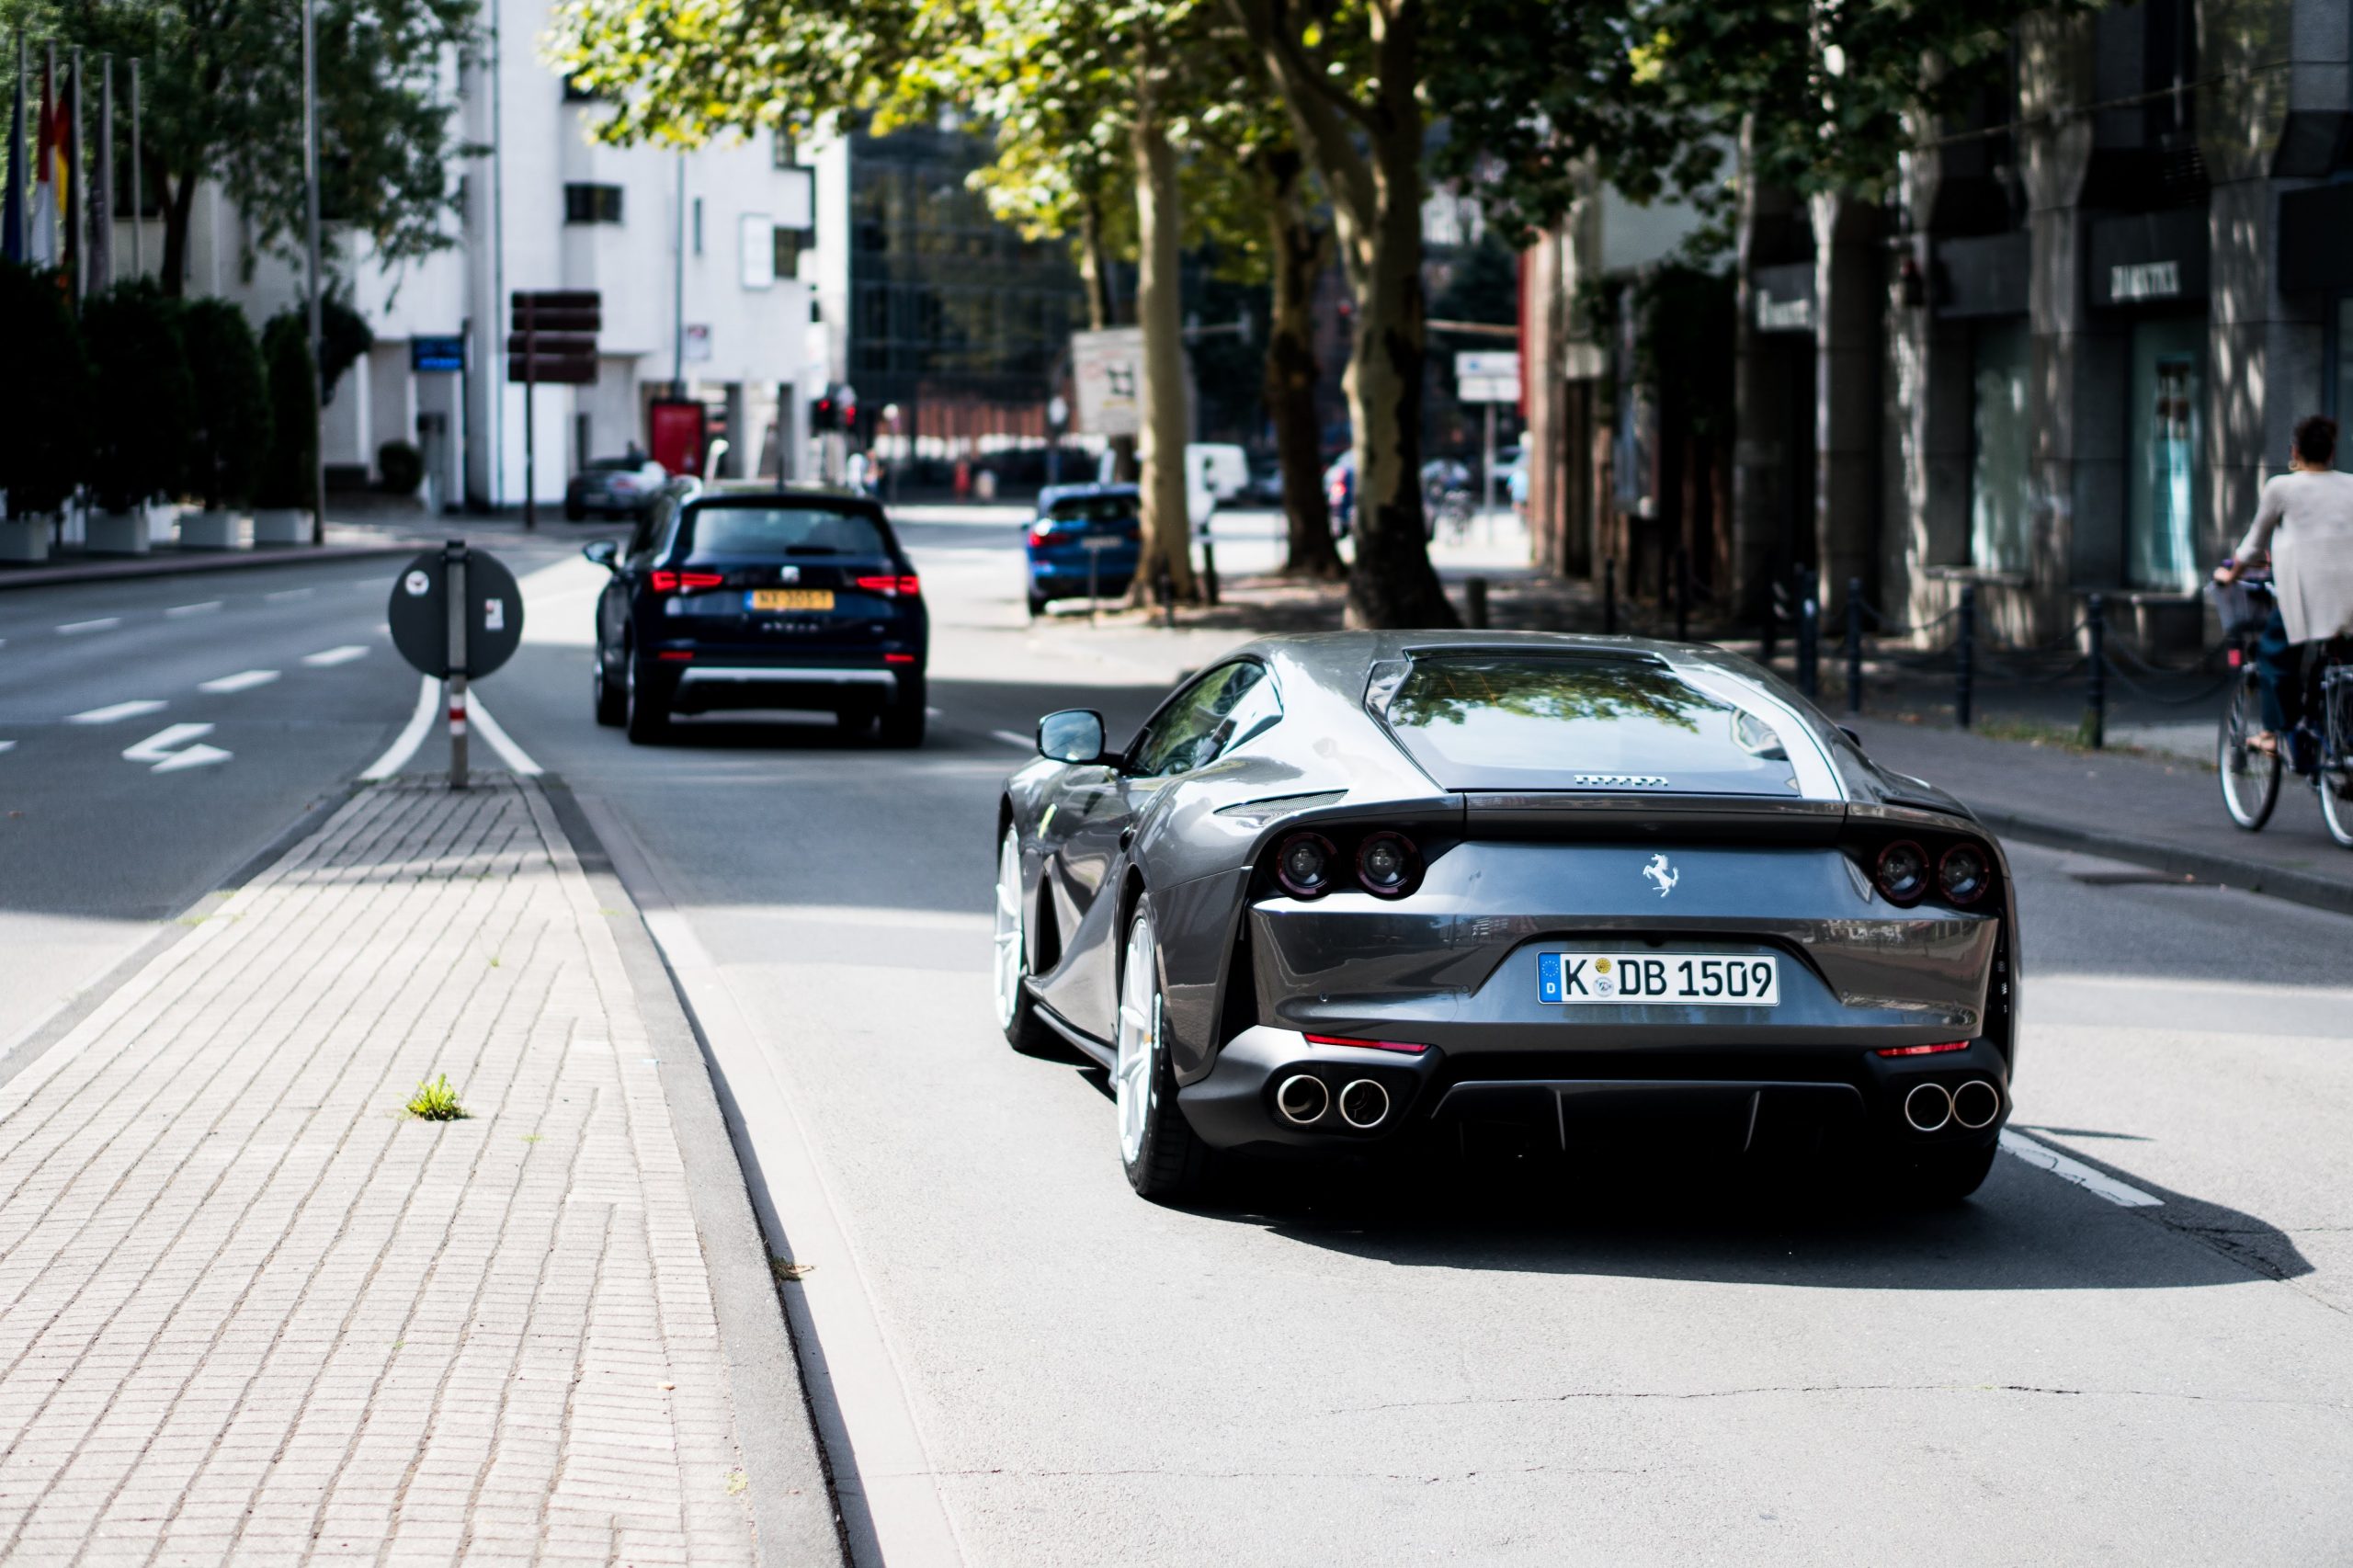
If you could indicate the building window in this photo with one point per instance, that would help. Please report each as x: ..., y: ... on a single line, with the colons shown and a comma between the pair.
x: 592, y: 204
x: 756, y: 248
x: 697, y: 225
x: 577, y: 92
x: 781, y: 151
x: 2340, y: 382
x: 2001, y: 437
x: 786, y: 243
x: 2161, y: 454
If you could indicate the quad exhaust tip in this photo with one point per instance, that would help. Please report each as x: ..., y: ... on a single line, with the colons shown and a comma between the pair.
x: 1928, y: 1107
x: 1303, y: 1099
x: 1976, y: 1103
x: 1364, y: 1105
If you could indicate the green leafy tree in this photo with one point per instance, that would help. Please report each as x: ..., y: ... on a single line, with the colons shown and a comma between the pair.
x: 233, y: 422
x: 290, y: 468
x: 221, y: 90
x: 44, y: 394
x: 144, y: 395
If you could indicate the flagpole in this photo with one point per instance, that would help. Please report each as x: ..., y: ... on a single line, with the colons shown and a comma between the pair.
x: 102, y: 183
x: 77, y: 253
x: 16, y: 213
x: 138, y: 212
x: 311, y: 201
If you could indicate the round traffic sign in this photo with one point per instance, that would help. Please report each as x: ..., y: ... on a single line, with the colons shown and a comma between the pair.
x: 419, y: 614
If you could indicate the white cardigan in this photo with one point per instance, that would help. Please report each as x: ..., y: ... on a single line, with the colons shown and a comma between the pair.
x: 2306, y: 522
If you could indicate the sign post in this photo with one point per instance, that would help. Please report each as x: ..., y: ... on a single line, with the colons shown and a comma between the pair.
x: 1489, y: 376
x: 455, y: 614
x: 554, y: 339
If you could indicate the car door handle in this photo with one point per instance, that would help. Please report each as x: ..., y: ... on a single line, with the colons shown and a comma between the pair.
x: 1127, y: 837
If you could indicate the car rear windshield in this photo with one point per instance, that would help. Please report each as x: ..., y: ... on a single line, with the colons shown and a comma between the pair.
x: 1095, y: 509
x: 1519, y: 721
x: 759, y: 532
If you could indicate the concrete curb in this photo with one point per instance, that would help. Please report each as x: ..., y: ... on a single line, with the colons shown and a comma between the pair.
x: 183, y: 566
x: 797, y: 1521
x: 2250, y: 876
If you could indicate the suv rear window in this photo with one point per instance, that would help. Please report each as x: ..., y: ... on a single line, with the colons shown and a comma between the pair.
x: 1095, y: 509
x: 1506, y: 722
x: 758, y: 532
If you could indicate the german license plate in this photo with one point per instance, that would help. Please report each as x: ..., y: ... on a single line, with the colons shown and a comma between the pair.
x: 791, y: 599
x: 1646, y: 979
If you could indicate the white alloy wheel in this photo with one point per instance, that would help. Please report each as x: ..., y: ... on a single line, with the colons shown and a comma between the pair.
x: 1132, y: 1070
x: 1012, y: 937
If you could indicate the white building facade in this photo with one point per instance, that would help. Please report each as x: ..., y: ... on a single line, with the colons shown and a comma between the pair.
x: 699, y: 256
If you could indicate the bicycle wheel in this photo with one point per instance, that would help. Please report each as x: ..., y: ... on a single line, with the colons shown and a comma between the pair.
x: 2337, y: 758
x: 2250, y: 779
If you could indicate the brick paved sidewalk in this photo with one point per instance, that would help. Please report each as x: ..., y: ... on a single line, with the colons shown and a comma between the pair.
x: 249, y: 1309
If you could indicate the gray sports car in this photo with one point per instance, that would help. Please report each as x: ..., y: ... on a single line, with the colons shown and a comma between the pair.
x: 1355, y: 891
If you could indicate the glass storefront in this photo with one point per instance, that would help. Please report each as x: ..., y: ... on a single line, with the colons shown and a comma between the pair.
x: 2000, y: 446
x: 2340, y: 407
x: 2162, y: 453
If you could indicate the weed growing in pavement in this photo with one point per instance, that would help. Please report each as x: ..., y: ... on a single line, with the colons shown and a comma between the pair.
x: 532, y: 1137
x: 787, y: 1270
x: 736, y: 1482
x: 435, y: 1101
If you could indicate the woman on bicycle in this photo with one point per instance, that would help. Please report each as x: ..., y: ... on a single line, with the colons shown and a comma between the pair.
x: 2305, y: 526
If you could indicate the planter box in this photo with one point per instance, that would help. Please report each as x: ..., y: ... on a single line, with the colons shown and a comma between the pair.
x: 23, y: 538
x: 210, y: 530
x: 116, y: 533
x: 280, y: 525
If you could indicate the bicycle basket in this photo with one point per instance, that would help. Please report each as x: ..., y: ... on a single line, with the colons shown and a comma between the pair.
x: 2244, y: 607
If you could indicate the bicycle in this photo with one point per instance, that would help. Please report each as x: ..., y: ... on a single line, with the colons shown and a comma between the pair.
x: 2321, y: 753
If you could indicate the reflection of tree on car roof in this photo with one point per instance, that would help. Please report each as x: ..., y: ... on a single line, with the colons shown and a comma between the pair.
x: 1449, y: 689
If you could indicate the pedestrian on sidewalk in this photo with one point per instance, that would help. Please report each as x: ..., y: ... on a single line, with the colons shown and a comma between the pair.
x: 2303, y: 526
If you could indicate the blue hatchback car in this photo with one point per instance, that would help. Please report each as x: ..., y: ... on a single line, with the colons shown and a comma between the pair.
x: 1076, y: 525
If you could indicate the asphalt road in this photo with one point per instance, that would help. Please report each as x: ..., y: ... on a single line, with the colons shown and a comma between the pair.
x: 2147, y: 1357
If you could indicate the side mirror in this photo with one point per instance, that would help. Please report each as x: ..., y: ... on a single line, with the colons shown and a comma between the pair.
x: 1074, y: 734
x: 604, y: 552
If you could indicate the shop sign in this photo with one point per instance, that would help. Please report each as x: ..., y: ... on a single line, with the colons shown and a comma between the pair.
x: 2144, y: 280
x: 1784, y: 297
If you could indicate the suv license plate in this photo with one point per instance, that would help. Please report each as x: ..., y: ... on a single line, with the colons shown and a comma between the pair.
x: 791, y: 599
x: 1671, y: 980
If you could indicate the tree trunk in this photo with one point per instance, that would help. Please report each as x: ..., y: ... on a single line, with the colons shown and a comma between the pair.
x: 1167, y: 530
x: 1300, y: 246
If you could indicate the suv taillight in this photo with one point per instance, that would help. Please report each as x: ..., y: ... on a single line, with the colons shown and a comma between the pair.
x: 671, y: 582
x: 907, y: 587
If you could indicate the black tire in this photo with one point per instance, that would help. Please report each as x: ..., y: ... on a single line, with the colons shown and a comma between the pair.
x: 612, y: 698
x: 1169, y: 1162
x: 902, y: 722
x: 1945, y: 1178
x: 2249, y: 780
x: 575, y: 513
x: 1037, y: 605
x: 854, y: 722
x: 648, y: 713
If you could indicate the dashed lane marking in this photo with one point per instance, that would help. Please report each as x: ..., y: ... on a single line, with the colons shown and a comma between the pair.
x: 7, y: 745
x: 290, y: 594
x: 116, y: 711
x: 157, y: 749
x: 2047, y: 1158
x: 1009, y: 738
x: 103, y: 623
x: 206, y: 607
x: 244, y: 680
x: 328, y: 658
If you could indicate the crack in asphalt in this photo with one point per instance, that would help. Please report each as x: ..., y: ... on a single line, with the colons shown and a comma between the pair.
x: 1424, y: 1477
x: 1823, y: 1388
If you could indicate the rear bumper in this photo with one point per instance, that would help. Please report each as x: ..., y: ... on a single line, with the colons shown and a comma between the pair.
x: 1761, y: 1101
x: 1056, y: 582
x: 712, y: 684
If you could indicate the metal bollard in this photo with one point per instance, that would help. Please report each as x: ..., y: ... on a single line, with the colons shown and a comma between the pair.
x: 1475, y: 603
x: 1208, y: 568
x: 1165, y: 586
x: 1964, y: 668
x: 1682, y: 596
x: 1809, y: 633
x: 1609, y: 596
x: 2096, y: 720
x: 1854, y: 644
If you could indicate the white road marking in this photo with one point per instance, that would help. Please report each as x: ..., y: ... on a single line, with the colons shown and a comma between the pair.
x: 7, y: 745
x: 113, y: 711
x: 75, y: 628
x: 207, y: 607
x: 412, y: 735
x: 516, y: 758
x: 290, y: 594
x: 1009, y: 738
x: 158, y: 749
x: 328, y: 658
x: 2082, y: 1176
x: 243, y: 680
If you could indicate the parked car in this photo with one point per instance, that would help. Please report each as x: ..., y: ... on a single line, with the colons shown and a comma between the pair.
x: 624, y: 486
x: 1266, y: 486
x: 1082, y: 530
x: 1340, y: 493
x: 793, y: 600
x: 1349, y: 893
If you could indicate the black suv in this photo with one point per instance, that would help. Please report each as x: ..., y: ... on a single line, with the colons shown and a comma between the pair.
x: 783, y: 599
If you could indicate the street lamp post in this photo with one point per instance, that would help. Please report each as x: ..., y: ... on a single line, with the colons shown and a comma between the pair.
x: 310, y: 218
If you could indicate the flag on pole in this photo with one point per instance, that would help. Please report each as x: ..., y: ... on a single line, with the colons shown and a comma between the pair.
x: 45, y: 170
x: 102, y: 183
x: 12, y: 209
x: 76, y: 242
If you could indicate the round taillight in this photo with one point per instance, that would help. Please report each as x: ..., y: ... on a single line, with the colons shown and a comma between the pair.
x: 1303, y: 865
x: 1902, y: 873
x: 1963, y: 874
x: 1387, y: 864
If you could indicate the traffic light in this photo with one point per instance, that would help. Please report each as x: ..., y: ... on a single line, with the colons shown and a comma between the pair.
x: 825, y: 414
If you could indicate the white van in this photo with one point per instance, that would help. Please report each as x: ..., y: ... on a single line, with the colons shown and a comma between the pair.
x: 1215, y: 473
